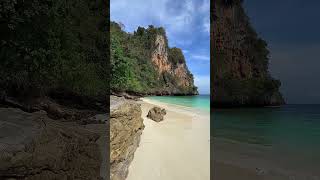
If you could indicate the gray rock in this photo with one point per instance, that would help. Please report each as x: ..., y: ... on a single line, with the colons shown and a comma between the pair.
x: 156, y: 114
x: 97, y: 119
x: 126, y: 125
x: 33, y: 146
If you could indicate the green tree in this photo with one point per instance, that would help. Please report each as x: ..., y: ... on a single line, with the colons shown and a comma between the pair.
x: 54, y: 44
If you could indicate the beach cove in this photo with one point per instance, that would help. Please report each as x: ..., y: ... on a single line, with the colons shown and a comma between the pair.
x: 176, y: 148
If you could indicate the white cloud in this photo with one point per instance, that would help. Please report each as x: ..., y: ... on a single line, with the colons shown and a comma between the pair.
x: 185, y: 51
x: 136, y: 13
x: 185, y: 21
x: 205, y: 6
x: 200, y: 57
x: 178, y: 23
x: 206, y: 25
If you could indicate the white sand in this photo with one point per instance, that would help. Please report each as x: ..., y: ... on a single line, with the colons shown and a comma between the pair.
x: 177, y: 148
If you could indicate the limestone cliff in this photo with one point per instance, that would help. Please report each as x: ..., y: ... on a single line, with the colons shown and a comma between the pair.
x: 159, y: 55
x: 240, y: 60
x: 171, y: 62
x: 126, y: 125
x: 154, y: 67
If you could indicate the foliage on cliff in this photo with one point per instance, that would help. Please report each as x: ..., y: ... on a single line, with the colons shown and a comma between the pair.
x: 132, y: 69
x: 54, y: 44
x: 240, y: 60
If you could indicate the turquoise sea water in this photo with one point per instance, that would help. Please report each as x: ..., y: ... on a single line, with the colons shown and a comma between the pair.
x: 201, y: 102
x: 290, y: 130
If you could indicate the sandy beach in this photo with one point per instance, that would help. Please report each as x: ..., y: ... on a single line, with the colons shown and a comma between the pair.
x: 176, y: 148
x: 234, y: 160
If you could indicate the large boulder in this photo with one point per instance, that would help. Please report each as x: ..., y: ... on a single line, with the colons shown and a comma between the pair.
x: 126, y: 125
x: 156, y: 114
x: 33, y: 146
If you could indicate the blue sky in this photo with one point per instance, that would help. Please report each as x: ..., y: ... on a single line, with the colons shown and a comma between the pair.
x: 187, y: 24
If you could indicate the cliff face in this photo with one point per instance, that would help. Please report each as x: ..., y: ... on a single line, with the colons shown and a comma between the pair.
x: 155, y: 68
x: 240, y: 60
x: 126, y: 127
x: 159, y: 55
x: 172, y: 64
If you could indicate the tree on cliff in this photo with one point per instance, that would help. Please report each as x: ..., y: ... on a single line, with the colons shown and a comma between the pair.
x: 122, y: 74
x: 131, y: 65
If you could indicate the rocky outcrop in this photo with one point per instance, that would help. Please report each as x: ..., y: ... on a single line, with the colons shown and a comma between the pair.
x: 126, y: 125
x: 157, y: 68
x: 55, y: 108
x: 156, y: 114
x: 240, y: 60
x: 160, y: 55
x: 171, y: 67
x: 171, y: 62
x: 34, y: 146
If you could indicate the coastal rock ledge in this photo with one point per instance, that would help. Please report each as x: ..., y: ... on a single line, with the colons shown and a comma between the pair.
x: 34, y: 147
x: 126, y: 126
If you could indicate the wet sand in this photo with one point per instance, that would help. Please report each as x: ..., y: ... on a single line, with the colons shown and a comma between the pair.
x: 240, y: 161
x: 176, y: 148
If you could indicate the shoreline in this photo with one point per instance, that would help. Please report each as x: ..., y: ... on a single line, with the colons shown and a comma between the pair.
x: 237, y: 160
x: 166, y: 147
x: 180, y: 108
x: 267, y: 143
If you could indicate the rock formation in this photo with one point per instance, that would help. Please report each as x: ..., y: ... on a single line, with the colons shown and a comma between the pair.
x: 33, y: 146
x: 126, y: 125
x: 171, y: 67
x: 156, y: 68
x: 156, y: 114
x: 159, y: 55
x: 239, y: 60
